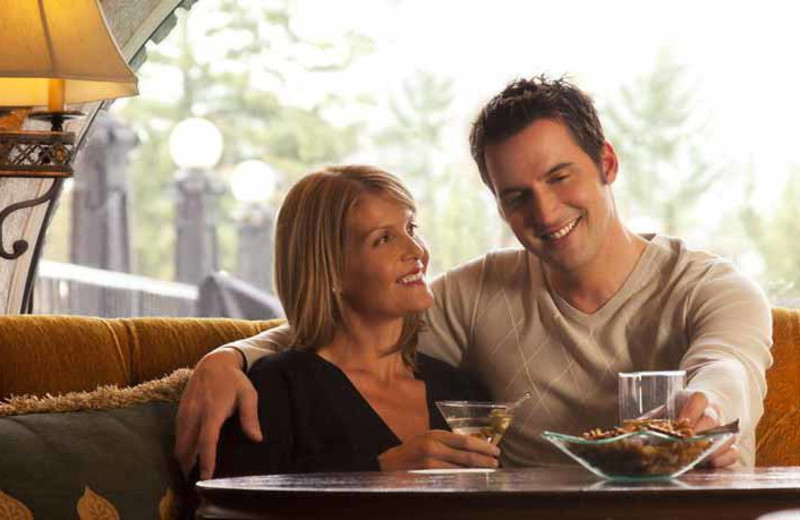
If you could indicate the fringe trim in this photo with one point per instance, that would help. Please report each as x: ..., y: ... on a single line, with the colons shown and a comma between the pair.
x: 168, y: 389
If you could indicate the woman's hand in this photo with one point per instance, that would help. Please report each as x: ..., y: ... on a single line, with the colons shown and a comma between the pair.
x: 440, y: 449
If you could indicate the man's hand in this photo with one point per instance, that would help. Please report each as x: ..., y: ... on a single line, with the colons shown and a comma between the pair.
x: 440, y: 449
x: 216, y: 389
x: 702, y: 416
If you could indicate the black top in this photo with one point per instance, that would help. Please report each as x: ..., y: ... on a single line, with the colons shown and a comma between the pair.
x: 314, y: 419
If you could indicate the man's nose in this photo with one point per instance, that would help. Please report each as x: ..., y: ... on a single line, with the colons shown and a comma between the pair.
x: 544, y: 208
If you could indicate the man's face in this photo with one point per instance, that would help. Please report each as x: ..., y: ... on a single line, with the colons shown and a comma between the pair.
x: 552, y: 194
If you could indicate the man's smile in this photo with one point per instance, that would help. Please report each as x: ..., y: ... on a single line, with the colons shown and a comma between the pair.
x: 561, y: 232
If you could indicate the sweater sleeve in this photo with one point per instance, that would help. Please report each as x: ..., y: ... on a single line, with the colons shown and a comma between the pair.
x: 262, y: 344
x: 729, y: 325
x: 449, y: 322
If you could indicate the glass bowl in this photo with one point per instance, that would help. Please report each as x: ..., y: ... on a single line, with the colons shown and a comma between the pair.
x: 486, y: 421
x: 639, y: 455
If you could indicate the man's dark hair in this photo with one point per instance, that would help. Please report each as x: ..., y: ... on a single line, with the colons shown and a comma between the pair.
x: 527, y: 100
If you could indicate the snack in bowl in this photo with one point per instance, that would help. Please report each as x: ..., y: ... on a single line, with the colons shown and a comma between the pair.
x: 646, y: 449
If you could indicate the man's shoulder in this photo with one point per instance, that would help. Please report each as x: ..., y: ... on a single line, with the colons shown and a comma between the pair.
x: 674, y: 256
x: 498, y: 263
x: 695, y: 269
x: 449, y: 382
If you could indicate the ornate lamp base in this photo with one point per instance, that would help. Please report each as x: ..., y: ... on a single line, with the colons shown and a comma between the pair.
x: 30, y: 153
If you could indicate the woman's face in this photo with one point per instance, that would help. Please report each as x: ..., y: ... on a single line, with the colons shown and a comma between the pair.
x: 385, y: 261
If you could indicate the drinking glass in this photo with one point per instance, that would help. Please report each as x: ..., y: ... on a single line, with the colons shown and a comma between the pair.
x: 650, y: 395
x: 482, y: 420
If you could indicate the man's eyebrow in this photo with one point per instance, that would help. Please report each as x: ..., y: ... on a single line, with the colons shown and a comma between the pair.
x: 558, y: 167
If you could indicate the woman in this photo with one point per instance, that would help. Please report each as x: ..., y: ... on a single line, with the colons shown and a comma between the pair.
x: 351, y: 393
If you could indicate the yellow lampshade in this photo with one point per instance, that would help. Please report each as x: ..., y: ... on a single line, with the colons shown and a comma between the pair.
x: 45, y: 41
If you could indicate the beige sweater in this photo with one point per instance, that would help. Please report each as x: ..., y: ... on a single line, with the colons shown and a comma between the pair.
x: 496, y: 317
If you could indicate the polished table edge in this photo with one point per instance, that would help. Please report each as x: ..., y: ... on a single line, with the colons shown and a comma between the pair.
x: 526, y: 481
x: 533, y: 480
x: 510, y: 494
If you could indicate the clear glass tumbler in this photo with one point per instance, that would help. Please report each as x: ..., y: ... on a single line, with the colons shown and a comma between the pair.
x: 650, y: 395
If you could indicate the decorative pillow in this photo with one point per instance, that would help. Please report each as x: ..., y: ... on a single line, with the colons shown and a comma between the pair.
x: 90, y: 455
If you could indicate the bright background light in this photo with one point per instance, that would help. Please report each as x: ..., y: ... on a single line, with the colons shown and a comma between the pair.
x: 253, y: 181
x: 195, y: 143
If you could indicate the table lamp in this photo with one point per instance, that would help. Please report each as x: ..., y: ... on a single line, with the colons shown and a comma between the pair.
x: 54, y: 53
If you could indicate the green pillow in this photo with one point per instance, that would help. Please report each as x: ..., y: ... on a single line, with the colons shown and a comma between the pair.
x: 108, y: 454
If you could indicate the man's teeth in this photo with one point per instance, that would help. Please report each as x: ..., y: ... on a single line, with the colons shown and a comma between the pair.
x: 561, y: 233
x: 411, y: 278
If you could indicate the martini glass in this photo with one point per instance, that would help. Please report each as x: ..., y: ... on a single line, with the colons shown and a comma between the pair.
x: 487, y: 421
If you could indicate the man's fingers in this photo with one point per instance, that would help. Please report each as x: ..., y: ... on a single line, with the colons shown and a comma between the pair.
x: 248, y: 414
x: 212, y: 394
x: 694, y: 407
x: 187, y: 458
x: 727, y: 455
x: 186, y: 437
x: 705, y: 422
x: 207, y: 448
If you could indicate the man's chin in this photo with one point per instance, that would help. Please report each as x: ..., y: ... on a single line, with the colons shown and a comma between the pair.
x: 562, y: 261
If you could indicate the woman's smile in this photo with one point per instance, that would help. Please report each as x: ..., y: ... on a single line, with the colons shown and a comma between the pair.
x: 386, y: 260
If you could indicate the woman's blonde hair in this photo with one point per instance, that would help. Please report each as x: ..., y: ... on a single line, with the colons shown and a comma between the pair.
x: 310, y: 251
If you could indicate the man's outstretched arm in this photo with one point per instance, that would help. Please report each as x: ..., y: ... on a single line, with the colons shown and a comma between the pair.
x: 219, y: 387
x: 730, y: 336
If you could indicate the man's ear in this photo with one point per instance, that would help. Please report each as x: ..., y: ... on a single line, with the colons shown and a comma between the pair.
x: 609, y: 163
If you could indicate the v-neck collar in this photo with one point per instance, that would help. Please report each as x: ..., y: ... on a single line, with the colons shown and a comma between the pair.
x: 368, y: 409
x: 637, y: 276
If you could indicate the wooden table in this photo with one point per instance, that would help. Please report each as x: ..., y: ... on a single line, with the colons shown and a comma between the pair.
x: 530, y: 494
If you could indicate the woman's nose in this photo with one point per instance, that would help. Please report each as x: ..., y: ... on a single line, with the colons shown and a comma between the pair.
x: 414, y: 248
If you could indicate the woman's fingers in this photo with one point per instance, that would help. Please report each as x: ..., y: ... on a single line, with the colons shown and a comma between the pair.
x: 464, y: 451
x: 439, y: 450
x: 466, y: 459
x: 465, y: 442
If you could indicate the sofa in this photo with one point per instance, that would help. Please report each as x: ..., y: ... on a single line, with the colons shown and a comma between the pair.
x: 90, y: 432
x: 93, y: 435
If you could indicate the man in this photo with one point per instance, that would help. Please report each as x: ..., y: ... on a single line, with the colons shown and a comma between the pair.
x: 584, y: 300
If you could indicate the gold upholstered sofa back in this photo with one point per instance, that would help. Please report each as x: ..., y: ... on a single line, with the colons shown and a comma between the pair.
x: 58, y: 354
x: 778, y: 434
